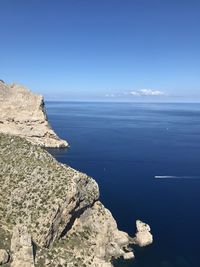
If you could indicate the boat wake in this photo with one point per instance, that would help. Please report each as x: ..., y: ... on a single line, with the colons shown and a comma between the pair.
x: 175, y: 177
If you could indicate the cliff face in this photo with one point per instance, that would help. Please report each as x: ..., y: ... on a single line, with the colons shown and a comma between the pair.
x: 54, y: 207
x: 22, y: 113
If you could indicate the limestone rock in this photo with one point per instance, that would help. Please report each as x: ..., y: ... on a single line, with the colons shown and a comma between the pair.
x: 21, y: 248
x: 97, y: 230
x: 129, y: 256
x: 22, y: 113
x: 47, y: 261
x: 39, y: 192
x: 46, y: 203
x: 143, y: 236
x: 59, y: 206
x: 4, y: 256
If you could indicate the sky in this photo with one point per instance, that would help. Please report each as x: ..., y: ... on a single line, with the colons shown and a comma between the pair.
x: 137, y: 50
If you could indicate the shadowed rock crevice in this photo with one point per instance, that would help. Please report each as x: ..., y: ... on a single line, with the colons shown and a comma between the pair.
x: 76, y: 213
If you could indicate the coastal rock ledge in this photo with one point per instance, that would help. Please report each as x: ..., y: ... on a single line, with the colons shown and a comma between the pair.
x: 22, y: 113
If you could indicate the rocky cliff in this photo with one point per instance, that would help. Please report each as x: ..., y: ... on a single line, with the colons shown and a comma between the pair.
x: 50, y: 214
x: 22, y: 113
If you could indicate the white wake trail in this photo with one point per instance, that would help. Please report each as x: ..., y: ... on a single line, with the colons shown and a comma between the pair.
x: 175, y: 177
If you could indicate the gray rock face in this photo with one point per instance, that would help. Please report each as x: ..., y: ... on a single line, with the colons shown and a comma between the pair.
x: 22, y: 113
x: 4, y: 256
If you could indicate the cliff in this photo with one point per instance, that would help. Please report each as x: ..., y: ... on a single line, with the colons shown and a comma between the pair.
x: 22, y: 113
x: 50, y: 214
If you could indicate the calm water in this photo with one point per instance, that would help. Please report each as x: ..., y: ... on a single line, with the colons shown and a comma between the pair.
x: 123, y: 146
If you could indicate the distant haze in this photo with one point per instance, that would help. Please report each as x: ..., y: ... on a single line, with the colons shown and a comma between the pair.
x: 109, y: 50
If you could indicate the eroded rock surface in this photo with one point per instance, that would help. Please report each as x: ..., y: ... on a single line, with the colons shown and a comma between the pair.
x: 21, y: 248
x: 4, y: 256
x: 143, y: 236
x: 38, y: 191
x: 58, y: 208
x: 97, y: 230
x: 22, y: 113
x: 50, y: 214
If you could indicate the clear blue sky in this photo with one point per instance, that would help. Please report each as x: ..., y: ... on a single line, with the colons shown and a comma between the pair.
x: 81, y: 49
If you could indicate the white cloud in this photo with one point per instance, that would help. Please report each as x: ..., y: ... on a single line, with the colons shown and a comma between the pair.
x: 147, y: 92
x: 139, y: 93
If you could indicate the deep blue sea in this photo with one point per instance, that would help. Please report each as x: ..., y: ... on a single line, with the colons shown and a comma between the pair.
x: 123, y: 146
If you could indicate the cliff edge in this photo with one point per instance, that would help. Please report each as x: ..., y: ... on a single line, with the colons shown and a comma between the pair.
x: 50, y: 214
x: 22, y: 113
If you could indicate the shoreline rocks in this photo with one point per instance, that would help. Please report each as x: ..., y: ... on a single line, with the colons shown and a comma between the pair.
x: 22, y: 113
x: 143, y: 237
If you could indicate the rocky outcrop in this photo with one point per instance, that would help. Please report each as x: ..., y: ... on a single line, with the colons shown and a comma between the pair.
x: 97, y: 230
x: 21, y: 248
x: 143, y: 236
x: 39, y: 192
x: 4, y: 256
x: 22, y: 113
x: 58, y: 208
x: 50, y: 214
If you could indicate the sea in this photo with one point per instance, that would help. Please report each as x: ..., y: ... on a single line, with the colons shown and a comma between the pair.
x: 146, y: 160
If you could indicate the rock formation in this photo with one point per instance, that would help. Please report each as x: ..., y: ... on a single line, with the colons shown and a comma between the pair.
x: 143, y: 236
x: 50, y: 214
x: 22, y: 113
x: 21, y: 248
x: 4, y: 256
x: 56, y: 208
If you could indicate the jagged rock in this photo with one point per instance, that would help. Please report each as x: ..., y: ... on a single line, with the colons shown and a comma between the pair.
x: 22, y: 113
x: 39, y: 192
x: 21, y: 248
x: 143, y: 236
x: 4, y: 256
x: 129, y: 256
x: 97, y: 232
x: 55, y: 207
x: 53, y: 200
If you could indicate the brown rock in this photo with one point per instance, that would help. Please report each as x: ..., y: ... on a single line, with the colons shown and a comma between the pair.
x: 22, y: 113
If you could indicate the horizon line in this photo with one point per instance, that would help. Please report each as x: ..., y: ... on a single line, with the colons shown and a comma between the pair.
x: 123, y: 101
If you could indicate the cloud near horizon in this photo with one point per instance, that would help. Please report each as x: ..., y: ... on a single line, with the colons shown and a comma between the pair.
x: 140, y: 93
x: 147, y: 92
